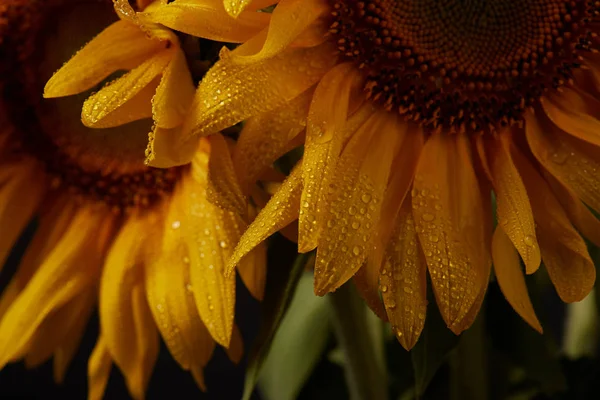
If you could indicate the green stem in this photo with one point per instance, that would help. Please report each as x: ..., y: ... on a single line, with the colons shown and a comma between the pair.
x: 365, y: 374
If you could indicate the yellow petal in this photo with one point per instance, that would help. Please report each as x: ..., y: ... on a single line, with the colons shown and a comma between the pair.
x: 513, y: 208
x: 125, y: 318
x: 48, y: 290
x: 253, y: 271
x: 564, y: 252
x: 326, y: 119
x: 171, y: 299
x: 20, y: 197
x: 289, y: 19
x: 121, y: 46
x: 448, y: 212
x: 235, y: 7
x: 403, y: 280
x: 279, y: 212
x: 352, y: 210
x: 265, y: 138
x: 507, y: 266
x: 174, y: 94
x: 223, y: 187
x: 366, y: 281
x: 235, y: 351
x: 208, y: 20
x: 167, y: 149
x: 99, y: 365
x: 565, y: 158
x: 211, y: 233
x: 97, y: 109
x: 230, y: 93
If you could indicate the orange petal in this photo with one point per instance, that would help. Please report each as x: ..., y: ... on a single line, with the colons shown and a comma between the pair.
x: 101, y: 110
x: 513, y: 208
x: 20, y: 197
x: 366, y: 281
x: 569, y: 160
x: 170, y: 296
x: 265, y: 138
x: 174, y: 94
x: 208, y: 20
x: 253, y: 268
x: 327, y: 116
x: 507, y: 266
x: 223, y: 187
x: 121, y: 46
x: 352, y: 210
x: 235, y: 351
x: 235, y: 7
x: 403, y: 280
x: 564, y: 252
x: 279, y: 212
x: 448, y: 212
x: 98, y: 370
x: 230, y: 93
x: 125, y: 318
x: 59, y: 279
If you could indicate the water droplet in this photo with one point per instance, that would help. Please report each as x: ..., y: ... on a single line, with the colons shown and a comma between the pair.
x: 365, y: 198
x: 176, y: 224
x: 356, y: 250
x: 428, y: 217
x: 529, y: 240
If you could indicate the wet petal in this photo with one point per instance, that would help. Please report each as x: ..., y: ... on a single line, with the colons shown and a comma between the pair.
x: 97, y: 109
x: 235, y: 7
x: 513, y: 208
x: 125, y: 318
x: 223, y: 187
x: 121, y: 46
x: 448, y: 211
x: 98, y: 370
x: 230, y: 93
x: 208, y: 20
x: 327, y: 117
x: 48, y: 290
x: 507, y: 266
x: 564, y: 252
x: 566, y: 159
x: 174, y: 94
x: 353, y: 207
x: 366, y: 281
x: 404, y: 280
x: 279, y: 212
x: 171, y: 299
x: 265, y: 138
x: 166, y: 148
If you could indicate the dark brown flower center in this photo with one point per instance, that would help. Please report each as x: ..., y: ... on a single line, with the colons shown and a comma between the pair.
x: 473, y: 65
x: 106, y: 165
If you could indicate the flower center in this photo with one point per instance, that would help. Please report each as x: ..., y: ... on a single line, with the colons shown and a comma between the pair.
x: 105, y: 165
x: 464, y: 65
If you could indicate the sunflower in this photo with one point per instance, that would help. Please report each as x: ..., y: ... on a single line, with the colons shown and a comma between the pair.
x: 419, y: 118
x: 144, y: 244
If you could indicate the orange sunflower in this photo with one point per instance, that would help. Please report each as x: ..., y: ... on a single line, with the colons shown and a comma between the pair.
x: 418, y: 117
x: 144, y: 244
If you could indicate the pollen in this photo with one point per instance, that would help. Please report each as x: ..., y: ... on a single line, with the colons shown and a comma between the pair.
x: 458, y: 65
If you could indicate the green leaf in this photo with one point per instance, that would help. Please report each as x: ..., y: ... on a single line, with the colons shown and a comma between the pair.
x: 281, y: 283
x: 298, y: 344
x: 432, y: 349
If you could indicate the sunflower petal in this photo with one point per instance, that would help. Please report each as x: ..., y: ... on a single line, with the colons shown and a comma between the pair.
x: 265, y: 138
x: 354, y: 204
x: 253, y: 271
x: 565, y: 158
x: 513, y: 208
x: 59, y: 279
x: 223, y: 187
x: 564, y: 252
x: 448, y: 211
x: 170, y: 296
x: 279, y: 212
x: 235, y: 7
x: 327, y: 116
x: 97, y: 109
x: 208, y: 20
x: 166, y: 148
x: 366, y: 281
x: 125, y: 318
x: 507, y: 266
x: 210, y: 233
x: 174, y: 94
x: 99, y: 365
x: 19, y: 199
x: 403, y: 280
x: 230, y: 93
x: 121, y: 46
x: 235, y: 351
